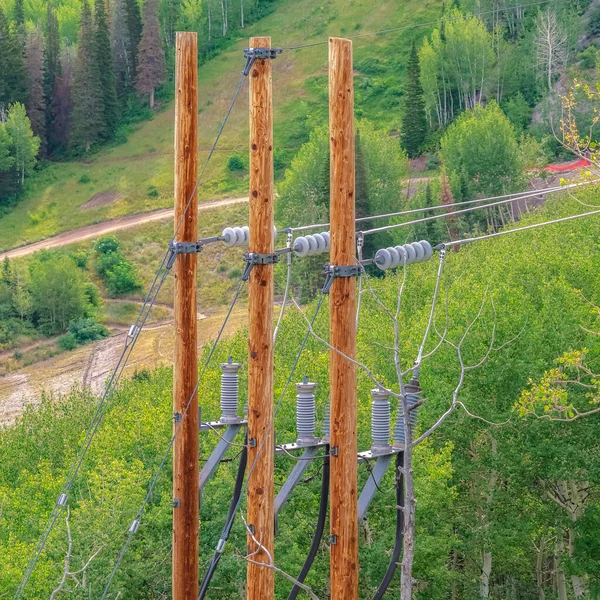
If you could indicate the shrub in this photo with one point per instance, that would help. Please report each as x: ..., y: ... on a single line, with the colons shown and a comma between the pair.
x: 107, y: 244
x: 122, y: 278
x: 85, y: 178
x: 235, y: 163
x: 153, y: 192
x: 80, y: 258
x: 589, y: 57
x: 67, y: 342
x: 87, y: 330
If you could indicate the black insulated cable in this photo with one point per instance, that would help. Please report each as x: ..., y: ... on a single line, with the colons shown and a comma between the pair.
x: 316, y: 542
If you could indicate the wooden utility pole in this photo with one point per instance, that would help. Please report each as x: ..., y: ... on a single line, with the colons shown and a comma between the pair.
x: 261, y: 585
x: 185, y: 374
x: 342, y: 379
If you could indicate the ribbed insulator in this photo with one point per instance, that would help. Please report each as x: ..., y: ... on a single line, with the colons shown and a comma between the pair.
x: 327, y: 424
x: 413, y: 391
x: 306, y: 412
x: 380, y: 421
x: 230, y: 391
x: 310, y: 245
x: 396, y: 256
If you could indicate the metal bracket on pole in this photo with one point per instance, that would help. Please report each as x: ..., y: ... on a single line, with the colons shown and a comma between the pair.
x: 212, y: 462
x: 332, y: 272
x: 254, y: 258
x: 252, y: 54
x: 176, y: 248
x: 294, y: 478
x: 375, y: 477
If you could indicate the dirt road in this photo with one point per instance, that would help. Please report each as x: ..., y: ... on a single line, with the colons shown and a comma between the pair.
x: 92, y: 231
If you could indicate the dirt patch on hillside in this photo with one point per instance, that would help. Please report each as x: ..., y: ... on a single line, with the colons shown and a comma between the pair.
x: 101, y: 199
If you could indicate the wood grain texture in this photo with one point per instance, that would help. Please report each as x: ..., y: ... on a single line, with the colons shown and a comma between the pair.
x: 185, y: 375
x: 343, y: 478
x: 260, y: 580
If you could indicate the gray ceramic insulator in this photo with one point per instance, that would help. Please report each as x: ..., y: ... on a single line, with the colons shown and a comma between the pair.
x: 306, y: 412
x: 230, y: 380
x: 380, y: 421
x: 413, y: 391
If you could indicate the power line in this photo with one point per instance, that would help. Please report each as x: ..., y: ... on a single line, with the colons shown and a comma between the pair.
x: 419, y: 25
x: 451, y: 213
x: 508, y: 231
x: 515, y: 197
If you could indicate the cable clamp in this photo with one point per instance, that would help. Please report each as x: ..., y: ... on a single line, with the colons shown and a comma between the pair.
x: 177, y: 417
x: 333, y: 451
x: 62, y: 500
x: 333, y: 539
x: 221, y: 546
x: 134, y: 526
x: 252, y: 54
x: 176, y: 248
x: 176, y: 503
x: 332, y: 272
x: 254, y: 258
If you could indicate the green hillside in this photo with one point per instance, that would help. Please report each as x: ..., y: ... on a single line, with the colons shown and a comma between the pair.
x: 140, y: 170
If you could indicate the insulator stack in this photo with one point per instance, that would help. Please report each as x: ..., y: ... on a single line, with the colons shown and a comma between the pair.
x: 408, y: 254
x: 230, y: 391
x: 327, y: 424
x: 239, y: 236
x: 306, y: 413
x: 380, y: 421
x: 310, y: 245
x: 413, y: 391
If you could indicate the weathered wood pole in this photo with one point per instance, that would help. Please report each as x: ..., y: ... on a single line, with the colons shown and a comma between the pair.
x: 342, y: 381
x: 261, y: 585
x: 185, y: 375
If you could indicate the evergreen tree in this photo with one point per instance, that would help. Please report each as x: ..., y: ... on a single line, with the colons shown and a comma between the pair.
x: 123, y: 50
x: 88, y: 116
x: 414, y: 124
x: 51, y: 75
x: 24, y: 145
x: 12, y: 71
x: 151, y: 71
x: 36, y: 102
x: 104, y: 67
x: 62, y: 102
x: 134, y: 26
x: 19, y: 14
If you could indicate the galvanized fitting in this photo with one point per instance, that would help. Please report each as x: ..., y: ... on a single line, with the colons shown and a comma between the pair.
x: 413, y: 391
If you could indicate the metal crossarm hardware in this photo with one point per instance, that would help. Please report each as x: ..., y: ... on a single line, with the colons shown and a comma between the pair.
x: 177, y: 248
x: 254, y: 258
x: 252, y: 54
x: 332, y: 272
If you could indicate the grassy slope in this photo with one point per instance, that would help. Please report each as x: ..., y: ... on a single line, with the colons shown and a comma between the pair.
x: 53, y: 197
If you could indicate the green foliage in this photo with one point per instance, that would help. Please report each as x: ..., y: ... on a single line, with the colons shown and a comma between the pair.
x: 481, y: 154
x: 118, y: 274
x: 589, y: 57
x: 58, y: 292
x: 87, y: 330
x: 24, y: 145
x: 594, y: 21
x: 518, y: 111
x: 85, y: 178
x: 414, y: 124
x: 67, y: 342
x: 107, y: 245
x: 236, y: 163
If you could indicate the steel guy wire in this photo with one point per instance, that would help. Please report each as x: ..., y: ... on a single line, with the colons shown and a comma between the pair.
x: 135, y: 524
x: 515, y: 197
x: 418, y: 25
x: 95, y: 423
x: 287, y: 287
x: 121, y: 363
x: 527, y: 227
x: 222, y: 542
